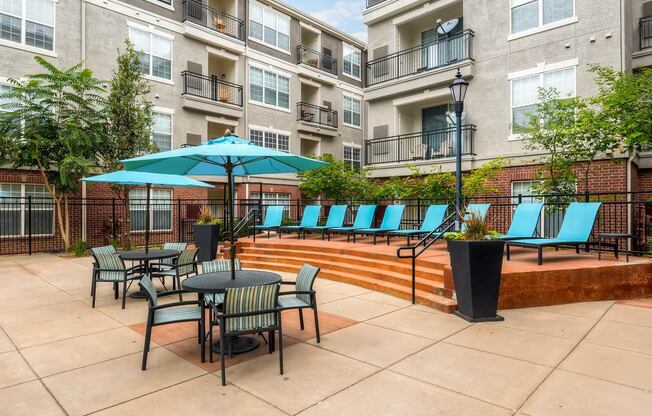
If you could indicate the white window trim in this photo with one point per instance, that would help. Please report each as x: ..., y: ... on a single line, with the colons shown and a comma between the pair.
x: 270, y: 129
x: 169, y: 111
x: 267, y: 45
x: 354, y: 145
x: 541, y: 27
x: 151, y: 29
x: 151, y: 212
x: 262, y: 42
x: 22, y: 45
x: 263, y: 103
x: 161, y: 4
x: 23, y: 211
x: 355, y: 97
x: 540, y: 69
x: 351, y: 76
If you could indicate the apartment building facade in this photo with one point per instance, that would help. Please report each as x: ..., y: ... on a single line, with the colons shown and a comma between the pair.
x: 506, y: 50
x: 259, y: 68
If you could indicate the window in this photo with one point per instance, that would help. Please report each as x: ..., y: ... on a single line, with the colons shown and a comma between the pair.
x: 352, y: 156
x: 352, y: 111
x: 270, y: 139
x: 352, y: 61
x: 160, y: 209
x: 269, y: 26
x: 525, y: 92
x: 274, y: 198
x: 154, y: 51
x: 531, y: 14
x: 269, y: 88
x: 28, y: 22
x: 15, y: 210
x: 162, y: 131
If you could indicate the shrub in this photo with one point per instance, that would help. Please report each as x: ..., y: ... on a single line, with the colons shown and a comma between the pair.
x: 80, y: 248
x: 206, y: 217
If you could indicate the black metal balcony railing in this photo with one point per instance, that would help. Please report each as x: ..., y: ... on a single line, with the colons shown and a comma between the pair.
x: 314, y: 114
x: 645, y: 32
x: 438, y: 54
x: 424, y: 145
x: 196, y: 12
x: 316, y: 59
x: 372, y: 3
x: 212, y: 88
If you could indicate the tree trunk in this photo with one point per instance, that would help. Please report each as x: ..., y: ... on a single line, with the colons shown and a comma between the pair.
x: 65, y: 238
x: 127, y: 219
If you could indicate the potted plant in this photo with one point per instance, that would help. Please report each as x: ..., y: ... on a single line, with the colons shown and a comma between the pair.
x: 207, y: 234
x: 476, y: 261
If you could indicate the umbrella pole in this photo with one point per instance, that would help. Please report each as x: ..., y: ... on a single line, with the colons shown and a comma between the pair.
x: 229, y: 173
x: 147, y: 218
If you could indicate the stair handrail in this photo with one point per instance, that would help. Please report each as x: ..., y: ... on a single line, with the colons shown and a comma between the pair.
x: 244, y: 221
x: 413, y: 253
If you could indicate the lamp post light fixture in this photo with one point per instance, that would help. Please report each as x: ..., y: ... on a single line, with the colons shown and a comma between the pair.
x: 458, y: 91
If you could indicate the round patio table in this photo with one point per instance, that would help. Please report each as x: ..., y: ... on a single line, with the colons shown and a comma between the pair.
x: 219, y: 282
x: 146, y: 257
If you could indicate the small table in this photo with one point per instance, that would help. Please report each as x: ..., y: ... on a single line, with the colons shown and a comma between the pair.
x: 219, y: 282
x: 146, y: 257
x: 615, y: 236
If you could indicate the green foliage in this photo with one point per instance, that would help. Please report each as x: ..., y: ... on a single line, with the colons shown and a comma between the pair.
x: 478, y: 181
x: 475, y: 228
x: 79, y: 249
x: 336, y: 181
x: 206, y: 217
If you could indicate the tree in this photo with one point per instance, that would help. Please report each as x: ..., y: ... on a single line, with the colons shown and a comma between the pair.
x: 336, y: 181
x: 55, y: 124
x: 129, y: 127
x: 479, y: 181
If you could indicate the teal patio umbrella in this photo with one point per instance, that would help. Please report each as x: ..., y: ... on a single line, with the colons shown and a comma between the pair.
x: 123, y: 177
x: 225, y: 156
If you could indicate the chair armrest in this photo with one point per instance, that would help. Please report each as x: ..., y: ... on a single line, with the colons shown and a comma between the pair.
x: 298, y: 292
x: 114, y: 270
x: 288, y: 283
x: 171, y: 305
x: 239, y: 315
x: 172, y: 292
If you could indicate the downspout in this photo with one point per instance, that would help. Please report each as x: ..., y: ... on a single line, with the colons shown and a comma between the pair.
x: 84, y: 210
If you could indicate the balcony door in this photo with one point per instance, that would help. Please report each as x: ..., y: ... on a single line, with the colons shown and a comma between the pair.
x: 436, y: 51
x: 435, y: 131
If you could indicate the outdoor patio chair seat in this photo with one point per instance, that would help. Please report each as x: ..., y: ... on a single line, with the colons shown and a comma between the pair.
x: 167, y: 264
x: 433, y: 219
x: 185, y: 265
x: 391, y: 222
x: 289, y: 302
x: 218, y: 266
x: 524, y: 222
x: 575, y: 230
x: 310, y: 219
x: 363, y: 219
x: 177, y: 314
x: 335, y: 219
x: 109, y: 267
x: 273, y: 219
x: 303, y: 296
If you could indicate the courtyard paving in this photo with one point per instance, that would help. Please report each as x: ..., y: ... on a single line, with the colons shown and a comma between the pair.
x: 378, y: 355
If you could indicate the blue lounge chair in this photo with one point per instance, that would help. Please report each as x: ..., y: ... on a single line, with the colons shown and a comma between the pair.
x: 524, y: 222
x: 310, y: 219
x: 335, y: 219
x: 391, y: 222
x: 434, y: 219
x: 575, y: 230
x: 273, y: 218
x: 363, y: 219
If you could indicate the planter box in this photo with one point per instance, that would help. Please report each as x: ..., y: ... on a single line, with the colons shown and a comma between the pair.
x: 477, y: 268
x: 206, y: 238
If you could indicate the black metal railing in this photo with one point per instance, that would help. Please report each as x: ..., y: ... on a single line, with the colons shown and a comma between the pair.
x: 645, y: 32
x: 315, y: 114
x: 212, y: 88
x: 443, y: 52
x: 196, y: 12
x: 423, y: 145
x: 316, y: 60
x: 372, y: 3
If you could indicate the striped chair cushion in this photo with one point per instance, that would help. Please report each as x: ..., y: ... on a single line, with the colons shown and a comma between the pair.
x: 250, y: 299
x: 219, y: 266
x: 103, y: 250
x: 112, y: 262
x: 180, y: 247
x: 288, y: 302
x: 147, y: 285
x: 215, y: 298
x: 187, y: 259
x: 305, y: 280
x: 177, y: 314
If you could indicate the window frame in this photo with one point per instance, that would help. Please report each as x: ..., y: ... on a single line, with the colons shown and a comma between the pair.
x: 151, y: 32
x: 142, y: 207
x: 353, y: 49
x: 266, y: 201
x: 541, y: 27
x: 22, y: 208
x: 23, y: 31
x: 168, y: 112
x: 264, y: 131
x: 277, y: 74
x: 351, y: 160
x: 278, y: 16
x: 351, y: 97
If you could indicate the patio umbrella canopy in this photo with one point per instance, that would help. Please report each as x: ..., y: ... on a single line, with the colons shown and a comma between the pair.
x: 123, y: 177
x: 224, y: 156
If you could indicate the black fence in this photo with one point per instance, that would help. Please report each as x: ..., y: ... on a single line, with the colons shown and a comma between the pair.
x: 211, y: 88
x: 440, y: 53
x: 423, y: 145
x: 315, y: 114
x: 645, y: 32
x: 28, y: 225
x: 316, y: 59
x: 196, y: 12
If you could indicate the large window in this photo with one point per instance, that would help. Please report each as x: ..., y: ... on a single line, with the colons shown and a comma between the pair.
x: 531, y: 14
x: 274, y: 198
x: 16, y: 210
x: 154, y: 50
x: 162, y: 131
x: 352, y: 108
x: 525, y: 92
x: 270, y: 139
x: 352, y: 61
x: 352, y: 156
x: 269, y: 88
x: 269, y: 26
x: 28, y: 22
x: 160, y: 209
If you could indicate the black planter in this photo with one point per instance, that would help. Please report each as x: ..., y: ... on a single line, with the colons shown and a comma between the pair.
x: 206, y: 238
x: 477, y: 267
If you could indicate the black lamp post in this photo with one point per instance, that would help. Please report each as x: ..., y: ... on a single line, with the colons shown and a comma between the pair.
x: 458, y: 91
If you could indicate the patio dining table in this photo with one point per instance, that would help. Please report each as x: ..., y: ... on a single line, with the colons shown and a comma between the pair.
x: 146, y: 256
x: 219, y: 282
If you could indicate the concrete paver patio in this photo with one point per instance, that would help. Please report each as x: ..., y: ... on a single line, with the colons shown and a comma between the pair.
x: 378, y: 355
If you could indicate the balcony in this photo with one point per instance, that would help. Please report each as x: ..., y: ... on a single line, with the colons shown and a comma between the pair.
x: 202, y: 92
x: 213, y: 19
x: 421, y: 146
x: 421, y: 59
x: 317, y: 60
x: 311, y: 113
x: 645, y: 32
